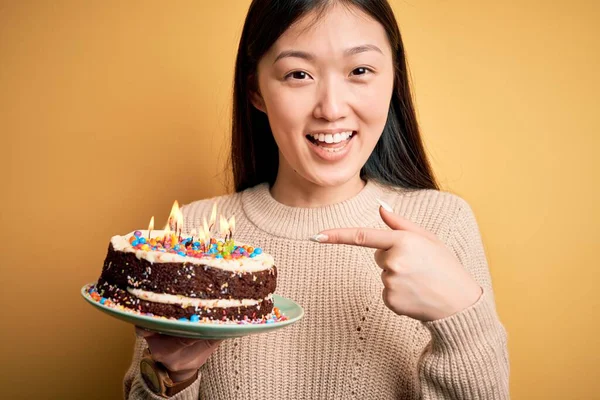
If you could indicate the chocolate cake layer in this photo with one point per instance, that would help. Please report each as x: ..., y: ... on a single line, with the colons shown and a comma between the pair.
x: 125, y: 299
x: 124, y: 269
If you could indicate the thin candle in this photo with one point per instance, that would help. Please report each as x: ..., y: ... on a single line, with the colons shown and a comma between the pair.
x: 179, y: 223
x: 150, y: 227
x: 174, y: 216
x: 167, y: 231
x: 201, y: 239
x: 213, y: 217
x: 223, y: 227
x: 231, y: 224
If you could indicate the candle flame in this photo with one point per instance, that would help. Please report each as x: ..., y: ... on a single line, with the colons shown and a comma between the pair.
x: 175, y: 221
x: 151, y: 224
x: 179, y: 222
x: 223, y: 226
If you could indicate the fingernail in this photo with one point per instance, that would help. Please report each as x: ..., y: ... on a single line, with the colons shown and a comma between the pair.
x: 319, y: 238
x: 385, y: 205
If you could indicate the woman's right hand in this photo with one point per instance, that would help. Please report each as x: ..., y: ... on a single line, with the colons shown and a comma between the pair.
x: 181, y: 356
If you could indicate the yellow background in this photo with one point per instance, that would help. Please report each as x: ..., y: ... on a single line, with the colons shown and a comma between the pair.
x: 110, y: 110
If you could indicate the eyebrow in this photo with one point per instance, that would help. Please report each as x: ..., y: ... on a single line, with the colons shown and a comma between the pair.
x: 310, y: 57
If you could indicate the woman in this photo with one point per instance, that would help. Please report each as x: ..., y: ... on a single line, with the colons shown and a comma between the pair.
x: 394, y: 282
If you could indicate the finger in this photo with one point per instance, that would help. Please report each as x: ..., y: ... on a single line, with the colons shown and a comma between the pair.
x: 189, y: 357
x: 385, y: 296
x: 165, y: 347
x: 387, y: 279
x: 399, y: 223
x: 364, y: 237
x: 186, y: 342
x: 208, y: 343
x: 380, y: 258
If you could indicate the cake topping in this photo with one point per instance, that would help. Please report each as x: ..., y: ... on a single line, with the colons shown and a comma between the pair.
x: 210, y: 244
x: 202, y: 243
x: 190, y: 246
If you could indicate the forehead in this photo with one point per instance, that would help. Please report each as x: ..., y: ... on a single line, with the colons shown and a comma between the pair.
x: 335, y: 29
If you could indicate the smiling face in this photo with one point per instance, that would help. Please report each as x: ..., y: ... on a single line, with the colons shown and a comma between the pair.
x: 326, y: 88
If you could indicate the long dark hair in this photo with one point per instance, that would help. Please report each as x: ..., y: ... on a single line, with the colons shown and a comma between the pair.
x: 399, y: 157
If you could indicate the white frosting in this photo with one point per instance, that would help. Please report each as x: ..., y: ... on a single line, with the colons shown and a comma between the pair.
x: 190, y: 301
x: 261, y: 262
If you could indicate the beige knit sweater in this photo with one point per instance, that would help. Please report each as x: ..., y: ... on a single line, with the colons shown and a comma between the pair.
x: 349, y: 345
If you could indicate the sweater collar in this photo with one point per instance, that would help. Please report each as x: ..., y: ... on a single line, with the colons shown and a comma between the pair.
x: 301, y: 223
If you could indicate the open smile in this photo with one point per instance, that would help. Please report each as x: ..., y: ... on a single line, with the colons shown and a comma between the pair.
x: 332, y: 142
x: 331, y: 146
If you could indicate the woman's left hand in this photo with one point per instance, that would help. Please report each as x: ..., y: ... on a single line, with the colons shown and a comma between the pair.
x: 422, y: 279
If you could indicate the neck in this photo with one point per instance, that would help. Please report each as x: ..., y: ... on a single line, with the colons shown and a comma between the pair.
x: 297, y: 222
x: 295, y: 191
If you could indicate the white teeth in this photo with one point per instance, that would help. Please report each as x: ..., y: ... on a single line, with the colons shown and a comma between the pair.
x: 330, y: 150
x: 332, y: 138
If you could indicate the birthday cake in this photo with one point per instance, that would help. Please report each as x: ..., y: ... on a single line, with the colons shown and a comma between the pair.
x: 162, y: 273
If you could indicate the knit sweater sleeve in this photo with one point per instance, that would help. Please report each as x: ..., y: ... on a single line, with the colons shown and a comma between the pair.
x: 467, y: 356
x: 135, y: 388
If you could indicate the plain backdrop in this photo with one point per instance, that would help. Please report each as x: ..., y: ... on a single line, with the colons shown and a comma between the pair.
x: 110, y: 110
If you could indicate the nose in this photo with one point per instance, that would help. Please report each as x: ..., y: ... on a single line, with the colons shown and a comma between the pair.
x: 331, y: 101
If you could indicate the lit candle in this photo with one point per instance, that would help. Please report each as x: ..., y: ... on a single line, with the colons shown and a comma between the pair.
x: 179, y: 223
x: 213, y: 217
x: 223, y: 227
x: 150, y: 227
x: 175, y: 222
x: 173, y: 216
x: 206, y: 234
x: 167, y: 232
x: 201, y: 239
x: 231, y: 224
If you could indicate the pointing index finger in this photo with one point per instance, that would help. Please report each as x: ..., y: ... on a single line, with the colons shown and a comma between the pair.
x: 364, y: 237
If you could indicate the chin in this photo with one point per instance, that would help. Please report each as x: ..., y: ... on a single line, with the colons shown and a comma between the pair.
x: 334, y: 179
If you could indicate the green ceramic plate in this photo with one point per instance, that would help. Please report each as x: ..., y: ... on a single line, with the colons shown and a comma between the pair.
x: 198, y: 330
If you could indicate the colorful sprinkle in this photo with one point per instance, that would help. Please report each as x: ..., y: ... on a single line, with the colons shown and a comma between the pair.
x: 188, y: 247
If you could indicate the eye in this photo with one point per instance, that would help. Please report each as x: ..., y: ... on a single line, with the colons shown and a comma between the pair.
x: 361, y: 71
x: 297, y: 75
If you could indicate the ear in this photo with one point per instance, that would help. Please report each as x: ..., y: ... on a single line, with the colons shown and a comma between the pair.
x: 257, y: 101
x: 255, y: 97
